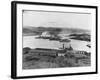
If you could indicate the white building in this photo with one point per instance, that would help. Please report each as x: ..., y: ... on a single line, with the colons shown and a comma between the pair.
x: 45, y: 34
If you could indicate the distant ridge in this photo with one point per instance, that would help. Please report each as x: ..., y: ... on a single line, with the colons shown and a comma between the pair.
x: 40, y: 29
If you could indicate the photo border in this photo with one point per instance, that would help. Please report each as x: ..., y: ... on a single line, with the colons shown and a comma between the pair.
x: 14, y: 38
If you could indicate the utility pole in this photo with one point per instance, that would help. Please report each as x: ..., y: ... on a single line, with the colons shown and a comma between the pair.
x: 63, y: 46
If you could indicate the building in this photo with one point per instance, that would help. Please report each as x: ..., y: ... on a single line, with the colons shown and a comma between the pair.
x: 45, y: 34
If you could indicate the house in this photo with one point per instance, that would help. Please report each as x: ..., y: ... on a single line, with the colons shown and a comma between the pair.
x: 61, y: 54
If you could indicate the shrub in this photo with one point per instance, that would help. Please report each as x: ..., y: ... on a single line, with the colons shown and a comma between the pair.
x: 29, y: 58
x: 26, y: 50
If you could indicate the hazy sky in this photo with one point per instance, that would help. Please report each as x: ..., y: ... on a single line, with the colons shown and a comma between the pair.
x: 56, y: 19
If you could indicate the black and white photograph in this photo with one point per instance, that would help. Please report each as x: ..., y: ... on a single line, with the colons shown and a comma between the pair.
x: 56, y: 39
x: 53, y: 39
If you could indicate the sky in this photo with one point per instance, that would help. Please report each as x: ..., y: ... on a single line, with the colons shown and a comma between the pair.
x: 56, y: 19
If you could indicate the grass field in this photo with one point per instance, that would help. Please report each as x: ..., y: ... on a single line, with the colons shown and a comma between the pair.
x: 37, y: 61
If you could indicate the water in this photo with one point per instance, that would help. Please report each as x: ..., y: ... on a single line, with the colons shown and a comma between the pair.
x: 30, y: 41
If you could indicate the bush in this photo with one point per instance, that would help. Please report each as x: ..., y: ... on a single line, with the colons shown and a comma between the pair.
x: 26, y: 50
x: 29, y: 58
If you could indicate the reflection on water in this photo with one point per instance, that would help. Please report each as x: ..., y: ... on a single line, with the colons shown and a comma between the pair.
x: 30, y: 41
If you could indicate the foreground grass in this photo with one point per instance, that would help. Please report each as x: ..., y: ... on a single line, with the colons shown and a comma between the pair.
x: 33, y: 61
